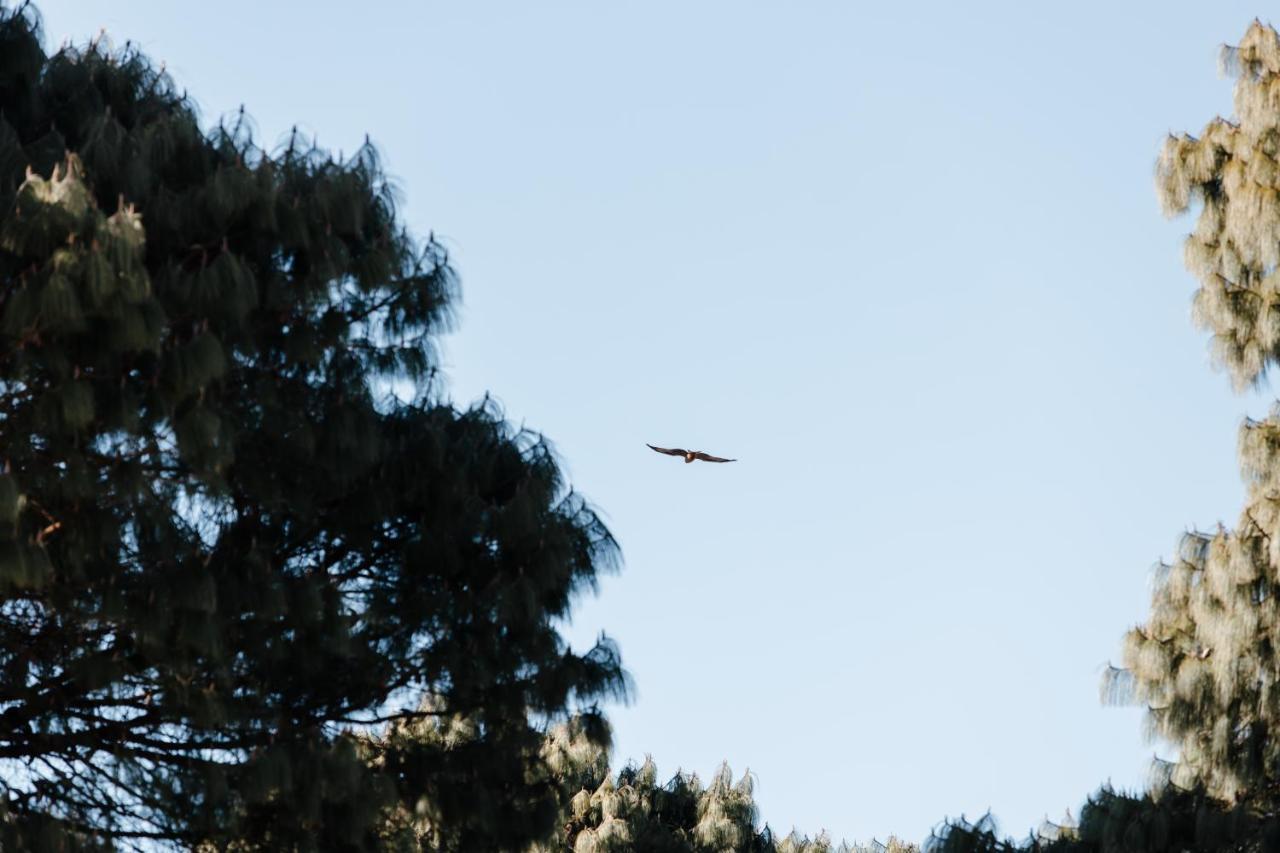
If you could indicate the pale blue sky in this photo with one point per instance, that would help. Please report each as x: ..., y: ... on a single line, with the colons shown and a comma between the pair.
x: 903, y: 260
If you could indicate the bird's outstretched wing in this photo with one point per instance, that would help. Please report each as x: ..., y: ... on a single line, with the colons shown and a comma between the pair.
x: 670, y: 451
x: 707, y: 457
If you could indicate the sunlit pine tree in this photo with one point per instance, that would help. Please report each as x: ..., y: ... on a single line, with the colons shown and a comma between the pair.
x: 1206, y: 663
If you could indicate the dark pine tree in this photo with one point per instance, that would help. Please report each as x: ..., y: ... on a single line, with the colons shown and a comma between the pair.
x: 227, y: 552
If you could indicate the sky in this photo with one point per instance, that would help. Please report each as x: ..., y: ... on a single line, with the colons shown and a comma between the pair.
x: 904, y: 261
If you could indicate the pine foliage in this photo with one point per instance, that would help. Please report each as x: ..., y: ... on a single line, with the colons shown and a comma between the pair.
x: 631, y: 810
x: 1232, y: 172
x: 224, y: 549
x: 1174, y: 821
x: 1207, y: 662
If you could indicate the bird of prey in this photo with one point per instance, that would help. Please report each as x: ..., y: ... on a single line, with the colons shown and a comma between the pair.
x: 689, y: 455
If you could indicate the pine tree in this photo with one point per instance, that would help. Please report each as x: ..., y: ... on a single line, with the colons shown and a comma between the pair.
x: 1207, y: 662
x: 226, y: 551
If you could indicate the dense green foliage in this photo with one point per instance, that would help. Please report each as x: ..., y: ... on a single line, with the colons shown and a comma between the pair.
x: 1172, y: 821
x: 225, y: 548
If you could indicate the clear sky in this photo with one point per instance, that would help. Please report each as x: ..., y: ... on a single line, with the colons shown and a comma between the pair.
x: 903, y: 260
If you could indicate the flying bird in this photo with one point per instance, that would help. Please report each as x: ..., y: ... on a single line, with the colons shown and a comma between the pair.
x: 689, y: 455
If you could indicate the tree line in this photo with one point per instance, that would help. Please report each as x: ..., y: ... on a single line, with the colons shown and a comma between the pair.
x: 250, y: 599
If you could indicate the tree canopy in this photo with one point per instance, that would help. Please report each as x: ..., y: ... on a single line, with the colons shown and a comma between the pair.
x: 227, y: 549
x: 250, y: 599
x: 1205, y: 664
x: 601, y: 811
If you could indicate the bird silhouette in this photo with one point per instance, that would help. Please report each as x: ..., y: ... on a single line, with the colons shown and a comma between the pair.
x: 689, y: 455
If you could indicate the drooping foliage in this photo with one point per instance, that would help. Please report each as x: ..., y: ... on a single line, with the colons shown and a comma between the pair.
x: 1207, y: 662
x: 224, y: 547
x: 601, y: 811
x: 1232, y: 172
